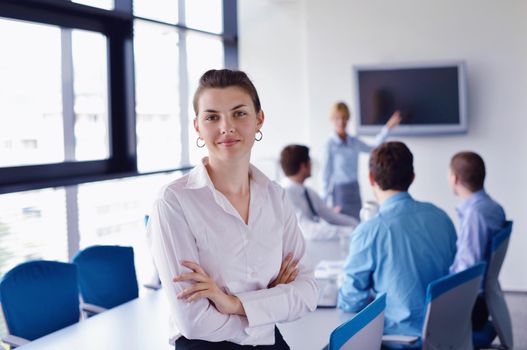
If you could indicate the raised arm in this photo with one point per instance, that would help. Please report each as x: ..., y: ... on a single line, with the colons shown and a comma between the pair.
x: 394, y: 120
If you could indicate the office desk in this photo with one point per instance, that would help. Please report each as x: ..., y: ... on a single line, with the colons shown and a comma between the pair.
x: 139, y: 324
x: 143, y: 323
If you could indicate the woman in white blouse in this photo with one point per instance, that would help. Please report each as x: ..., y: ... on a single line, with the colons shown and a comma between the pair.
x: 224, y: 239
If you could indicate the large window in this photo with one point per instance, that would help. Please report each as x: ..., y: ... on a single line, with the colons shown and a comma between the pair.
x: 30, y: 94
x: 96, y: 115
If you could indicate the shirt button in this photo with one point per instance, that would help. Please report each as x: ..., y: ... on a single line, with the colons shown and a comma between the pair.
x: 253, y: 274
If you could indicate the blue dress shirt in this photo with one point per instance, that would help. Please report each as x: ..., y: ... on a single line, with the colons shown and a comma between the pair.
x: 480, y: 218
x: 407, y: 245
x: 341, y: 159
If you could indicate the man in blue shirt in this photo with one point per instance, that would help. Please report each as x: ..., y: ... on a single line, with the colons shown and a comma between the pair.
x: 407, y: 245
x: 480, y: 217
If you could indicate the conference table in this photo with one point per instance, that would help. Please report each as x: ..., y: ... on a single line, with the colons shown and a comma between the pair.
x: 143, y: 322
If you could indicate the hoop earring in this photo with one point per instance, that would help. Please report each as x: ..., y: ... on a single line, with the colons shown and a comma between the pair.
x: 197, y: 142
x: 258, y: 138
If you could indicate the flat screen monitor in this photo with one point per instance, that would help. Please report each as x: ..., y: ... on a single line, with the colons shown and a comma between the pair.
x: 431, y: 97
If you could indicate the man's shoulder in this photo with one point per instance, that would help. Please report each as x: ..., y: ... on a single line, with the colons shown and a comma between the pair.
x: 375, y: 224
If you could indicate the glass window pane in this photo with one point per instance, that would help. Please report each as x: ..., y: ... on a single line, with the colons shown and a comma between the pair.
x: 103, y: 4
x: 32, y: 226
x: 90, y: 73
x: 160, y: 10
x: 157, y: 96
x: 30, y: 94
x: 204, y: 52
x: 204, y: 15
x: 119, y: 219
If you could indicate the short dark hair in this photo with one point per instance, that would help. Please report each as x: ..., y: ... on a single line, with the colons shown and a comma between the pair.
x: 391, y: 165
x: 292, y: 157
x: 470, y: 169
x: 223, y: 78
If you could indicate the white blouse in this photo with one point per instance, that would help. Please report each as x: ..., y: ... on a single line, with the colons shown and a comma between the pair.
x: 193, y: 221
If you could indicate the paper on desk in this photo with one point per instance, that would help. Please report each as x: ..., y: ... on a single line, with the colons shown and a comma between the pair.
x: 329, y: 269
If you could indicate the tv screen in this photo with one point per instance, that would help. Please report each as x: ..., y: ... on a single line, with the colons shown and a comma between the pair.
x: 430, y: 97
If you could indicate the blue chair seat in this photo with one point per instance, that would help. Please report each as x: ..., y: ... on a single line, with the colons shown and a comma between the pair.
x: 39, y: 297
x: 107, y: 275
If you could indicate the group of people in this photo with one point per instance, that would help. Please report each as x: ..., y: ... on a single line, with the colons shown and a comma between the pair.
x: 228, y: 243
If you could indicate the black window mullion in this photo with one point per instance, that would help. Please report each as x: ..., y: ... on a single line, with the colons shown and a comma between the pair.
x: 122, y: 98
x: 230, y: 33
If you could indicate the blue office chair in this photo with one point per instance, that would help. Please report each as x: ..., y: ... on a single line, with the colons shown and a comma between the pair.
x: 38, y: 298
x: 107, y: 277
x: 499, y: 313
x: 363, y: 331
x: 448, y: 317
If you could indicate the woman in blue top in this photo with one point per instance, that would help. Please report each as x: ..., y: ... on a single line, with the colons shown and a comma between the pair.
x: 339, y: 171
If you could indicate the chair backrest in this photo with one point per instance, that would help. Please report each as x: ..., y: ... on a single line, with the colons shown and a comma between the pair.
x: 39, y: 297
x: 493, y: 295
x: 107, y: 275
x: 449, y: 303
x: 363, y: 331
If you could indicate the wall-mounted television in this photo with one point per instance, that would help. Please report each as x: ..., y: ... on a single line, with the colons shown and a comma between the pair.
x: 432, y: 97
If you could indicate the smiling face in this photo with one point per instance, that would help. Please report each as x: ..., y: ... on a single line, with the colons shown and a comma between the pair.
x: 227, y: 121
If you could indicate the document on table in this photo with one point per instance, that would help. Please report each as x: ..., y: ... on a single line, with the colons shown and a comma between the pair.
x: 327, y: 276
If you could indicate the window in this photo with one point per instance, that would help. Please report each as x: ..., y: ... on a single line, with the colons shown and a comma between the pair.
x: 90, y: 105
x: 103, y: 4
x: 160, y: 10
x: 209, y: 20
x: 119, y: 219
x: 30, y: 94
x: 157, y: 96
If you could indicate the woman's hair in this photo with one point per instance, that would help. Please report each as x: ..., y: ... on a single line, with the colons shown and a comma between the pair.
x: 470, y: 169
x: 222, y: 78
x: 391, y: 165
x: 292, y: 157
x: 342, y: 108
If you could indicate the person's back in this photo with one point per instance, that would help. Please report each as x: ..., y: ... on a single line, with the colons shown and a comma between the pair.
x: 407, y: 245
x: 480, y: 217
x: 415, y: 243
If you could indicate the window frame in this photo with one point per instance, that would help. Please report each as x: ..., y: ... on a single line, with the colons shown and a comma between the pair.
x: 117, y: 26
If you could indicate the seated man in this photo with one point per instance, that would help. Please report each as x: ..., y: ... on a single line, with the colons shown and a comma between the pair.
x: 317, y: 221
x: 407, y: 245
x: 479, y: 215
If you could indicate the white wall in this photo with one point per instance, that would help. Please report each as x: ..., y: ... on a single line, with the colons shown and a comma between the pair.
x: 301, y: 53
x: 272, y: 52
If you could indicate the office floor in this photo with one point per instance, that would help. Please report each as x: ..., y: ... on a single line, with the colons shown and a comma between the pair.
x: 517, y: 303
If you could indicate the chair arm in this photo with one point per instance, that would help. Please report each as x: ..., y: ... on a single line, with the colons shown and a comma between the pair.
x: 92, y: 308
x: 402, y: 339
x: 14, y: 341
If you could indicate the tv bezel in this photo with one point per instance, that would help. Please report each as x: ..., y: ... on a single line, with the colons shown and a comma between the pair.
x: 411, y: 130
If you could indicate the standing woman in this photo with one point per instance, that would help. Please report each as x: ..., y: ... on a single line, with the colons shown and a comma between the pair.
x: 225, y: 241
x: 339, y: 172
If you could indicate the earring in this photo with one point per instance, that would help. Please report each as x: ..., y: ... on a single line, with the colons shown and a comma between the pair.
x: 197, y: 142
x: 258, y: 138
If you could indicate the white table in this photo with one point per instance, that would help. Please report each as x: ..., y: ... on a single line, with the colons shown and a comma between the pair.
x: 139, y: 324
x: 143, y: 323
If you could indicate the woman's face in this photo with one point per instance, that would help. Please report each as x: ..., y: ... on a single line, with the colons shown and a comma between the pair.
x: 340, y: 122
x: 227, y: 121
